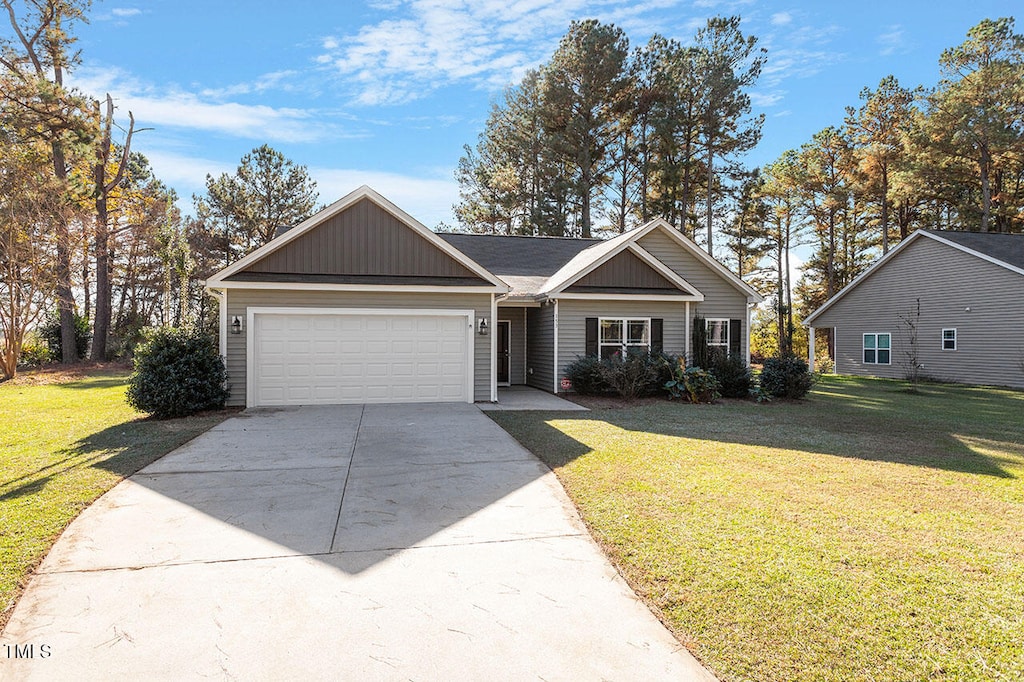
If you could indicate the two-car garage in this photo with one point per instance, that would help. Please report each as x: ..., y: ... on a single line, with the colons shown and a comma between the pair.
x: 338, y: 356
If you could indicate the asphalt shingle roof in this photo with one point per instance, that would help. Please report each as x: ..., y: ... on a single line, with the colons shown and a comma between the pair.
x: 1007, y: 248
x: 518, y: 256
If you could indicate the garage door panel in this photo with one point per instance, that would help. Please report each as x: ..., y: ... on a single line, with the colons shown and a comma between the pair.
x: 355, y: 358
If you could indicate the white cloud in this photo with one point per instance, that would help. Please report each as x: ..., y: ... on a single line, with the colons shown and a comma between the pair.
x: 424, y: 44
x: 174, y: 107
x: 781, y: 19
x: 891, y: 42
x: 125, y: 11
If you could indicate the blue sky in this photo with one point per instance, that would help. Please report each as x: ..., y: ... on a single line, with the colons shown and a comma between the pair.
x: 386, y: 92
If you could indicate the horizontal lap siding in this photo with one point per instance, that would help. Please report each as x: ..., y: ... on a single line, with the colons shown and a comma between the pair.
x: 517, y: 343
x: 990, y: 336
x: 540, y: 338
x: 572, y: 315
x: 239, y: 300
x: 721, y: 299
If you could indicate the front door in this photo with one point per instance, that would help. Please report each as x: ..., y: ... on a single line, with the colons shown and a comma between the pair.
x: 504, y: 335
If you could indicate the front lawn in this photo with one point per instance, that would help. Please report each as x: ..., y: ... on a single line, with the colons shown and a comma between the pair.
x: 62, y: 445
x: 866, y: 533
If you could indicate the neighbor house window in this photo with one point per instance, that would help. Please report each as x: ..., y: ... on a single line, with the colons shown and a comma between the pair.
x: 949, y: 339
x: 624, y: 336
x: 718, y: 334
x: 877, y: 349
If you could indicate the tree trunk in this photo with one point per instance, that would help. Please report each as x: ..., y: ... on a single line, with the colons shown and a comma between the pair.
x: 103, y: 188
x: 885, y: 209
x: 65, y: 298
x: 711, y: 176
x: 986, y: 189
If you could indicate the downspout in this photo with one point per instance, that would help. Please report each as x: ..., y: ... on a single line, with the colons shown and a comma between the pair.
x: 686, y: 340
x: 494, y: 348
x: 555, y: 373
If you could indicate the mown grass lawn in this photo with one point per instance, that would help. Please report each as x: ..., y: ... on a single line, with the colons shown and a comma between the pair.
x: 865, y: 533
x: 61, y: 446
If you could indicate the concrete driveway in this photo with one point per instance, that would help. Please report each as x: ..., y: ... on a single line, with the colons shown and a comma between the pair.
x: 411, y: 542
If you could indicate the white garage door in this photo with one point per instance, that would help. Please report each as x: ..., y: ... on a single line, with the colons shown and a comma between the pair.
x: 337, y: 358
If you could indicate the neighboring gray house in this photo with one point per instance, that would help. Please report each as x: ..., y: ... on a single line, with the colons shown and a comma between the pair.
x: 362, y: 303
x: 969, y: 289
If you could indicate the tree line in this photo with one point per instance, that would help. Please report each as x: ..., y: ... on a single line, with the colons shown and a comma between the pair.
x: 602, y: 138
x: 90, y: 238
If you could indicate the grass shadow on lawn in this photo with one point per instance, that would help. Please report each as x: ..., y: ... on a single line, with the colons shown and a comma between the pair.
x: 937, y: 428
x: 121, y: 449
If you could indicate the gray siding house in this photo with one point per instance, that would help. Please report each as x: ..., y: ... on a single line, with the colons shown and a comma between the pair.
x: 964, y: 293
x: 361, y: 303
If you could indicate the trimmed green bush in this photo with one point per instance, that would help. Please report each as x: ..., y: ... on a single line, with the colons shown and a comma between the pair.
x: 733, y: 374
x: 787, y: 377
x: 178, y: 372
x: 585, y: 374
x: 631, y: 376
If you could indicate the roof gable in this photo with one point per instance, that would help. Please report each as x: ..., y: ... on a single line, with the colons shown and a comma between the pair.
x: 626, y: 271
x: 998, y: 249
x: 361, y: 238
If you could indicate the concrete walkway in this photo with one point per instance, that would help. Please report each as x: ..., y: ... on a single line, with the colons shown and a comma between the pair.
x: 382, y: 542
x: 529, y: 398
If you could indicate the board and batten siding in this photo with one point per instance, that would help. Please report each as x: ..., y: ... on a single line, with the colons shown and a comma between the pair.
x: 517, y: 343
x: 363, y: 239
x: 572, y: 315
x: 981, y: 300
x: 625, y: 269
x: 540, y: 339
x: 722, y: 300
x: 239, y: 301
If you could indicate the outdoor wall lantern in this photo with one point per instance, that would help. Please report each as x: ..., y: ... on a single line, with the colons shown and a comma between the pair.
x: 482, y: 328
x: 236, y: 325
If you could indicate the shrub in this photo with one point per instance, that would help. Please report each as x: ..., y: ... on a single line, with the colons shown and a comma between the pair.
x: 786, y: 377
x: 631, y: 376
x: 733, y: 375
x: 49, y: 332
x: 585, y: 374
x: 178, y: 372
x: 692, y: 383
x: 34, y: 351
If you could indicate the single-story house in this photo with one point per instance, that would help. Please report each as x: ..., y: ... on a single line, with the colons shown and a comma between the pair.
x: 362, y: 303
x: 953, y: 300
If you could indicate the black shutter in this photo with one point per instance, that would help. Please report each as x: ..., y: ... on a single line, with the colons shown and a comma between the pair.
x: 591, y: 345
x: 735, y: 342
x: 657, y: 325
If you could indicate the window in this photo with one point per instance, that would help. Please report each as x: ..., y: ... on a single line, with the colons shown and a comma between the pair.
x: 623, y: 335
x: 949, y: 339
x: 718, y: 334
x: 877, y: 349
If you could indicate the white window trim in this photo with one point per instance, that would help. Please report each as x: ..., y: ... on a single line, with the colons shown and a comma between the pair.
x: 863, y: 348
x: 954, y: 339
x: 624, y: 345
x: 725, y: 321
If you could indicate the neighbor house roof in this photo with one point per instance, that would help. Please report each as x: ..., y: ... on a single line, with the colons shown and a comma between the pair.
x: 1004, y: 250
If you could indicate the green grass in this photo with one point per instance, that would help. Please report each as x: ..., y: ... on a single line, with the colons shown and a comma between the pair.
x: 866, y: 533
x: 61, y: 447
